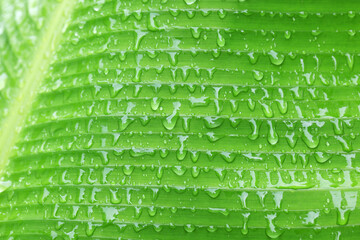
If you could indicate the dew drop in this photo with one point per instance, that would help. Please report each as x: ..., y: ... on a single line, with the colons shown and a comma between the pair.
x: 220, y: 39
x: 189, y: 228
x: 155, y: 103
x: 253, y: 57
x: 179, y: 170
x: 213, y: 122
x: 90, y: 229
x: 220, y: 173
x: 228, y: 156
x: 350, y: 60
x: 287, y: 34
x: 195, y: 171
x: 273, y: 137
x: 261, y: 195
x: 128, y: 169
x: 322, y: 157
x: 268, y: 112
x: 195, y: 32
x: 244, y: 229
x: 344, y: 205
x: 152, y: 26
x: 345, y: 143
x: 212, y: 192
x: 272, y: 230
x: 258, y: 75
x: 255, y: 126
x: 139, y: 35
x: 276, y: 58
x: 310, y: 139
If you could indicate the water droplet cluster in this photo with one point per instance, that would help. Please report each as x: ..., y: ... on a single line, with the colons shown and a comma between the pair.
x: 193, y: 119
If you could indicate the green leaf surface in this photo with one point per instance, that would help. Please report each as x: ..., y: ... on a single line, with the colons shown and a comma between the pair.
x: 179, y: 119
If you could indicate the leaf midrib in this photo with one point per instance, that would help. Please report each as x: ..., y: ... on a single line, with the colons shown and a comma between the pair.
x: 32, y: 79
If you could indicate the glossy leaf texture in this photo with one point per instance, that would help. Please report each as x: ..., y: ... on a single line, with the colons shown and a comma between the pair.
x: 179, y: 119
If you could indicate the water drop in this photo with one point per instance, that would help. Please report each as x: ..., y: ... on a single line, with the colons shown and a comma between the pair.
x: 155, y: 103
x: 261, y: 195
x: 251, y: 104
x: 228, y: 156
x: 253, y: 57
x: 278, y: 196
x: 189, y: 227
x: 179, y: 170
x: 350, y: 60
x: 152, y: 26
x: 173, y: 58
x: 322, y: 157
x: 345, y: 143
x: 195, y: 171
x: 213, y: 122
x: 282, y: 105
x: 287, y: 34
x: 128, y: 169
x: 220, y: 39
x: 244, y: 229
x: 195, y: 32
x: 139, y: 35
x: 258, y: 75
x: 268, y: 112
x: 220, y: 173
x: 255, y: 126
x: 344, y: 206
x: 272, y: 231
x: 90, y: 229
x: 276, y: 58
x: 243, y: 196
x: 152, y: 211
x: 273, y: 137
x: 194, y: 155
x: 309, y: 138
x: 310, y: 218
x: 186, y: 123
x: 212, y: 192
x: 110, y: 214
